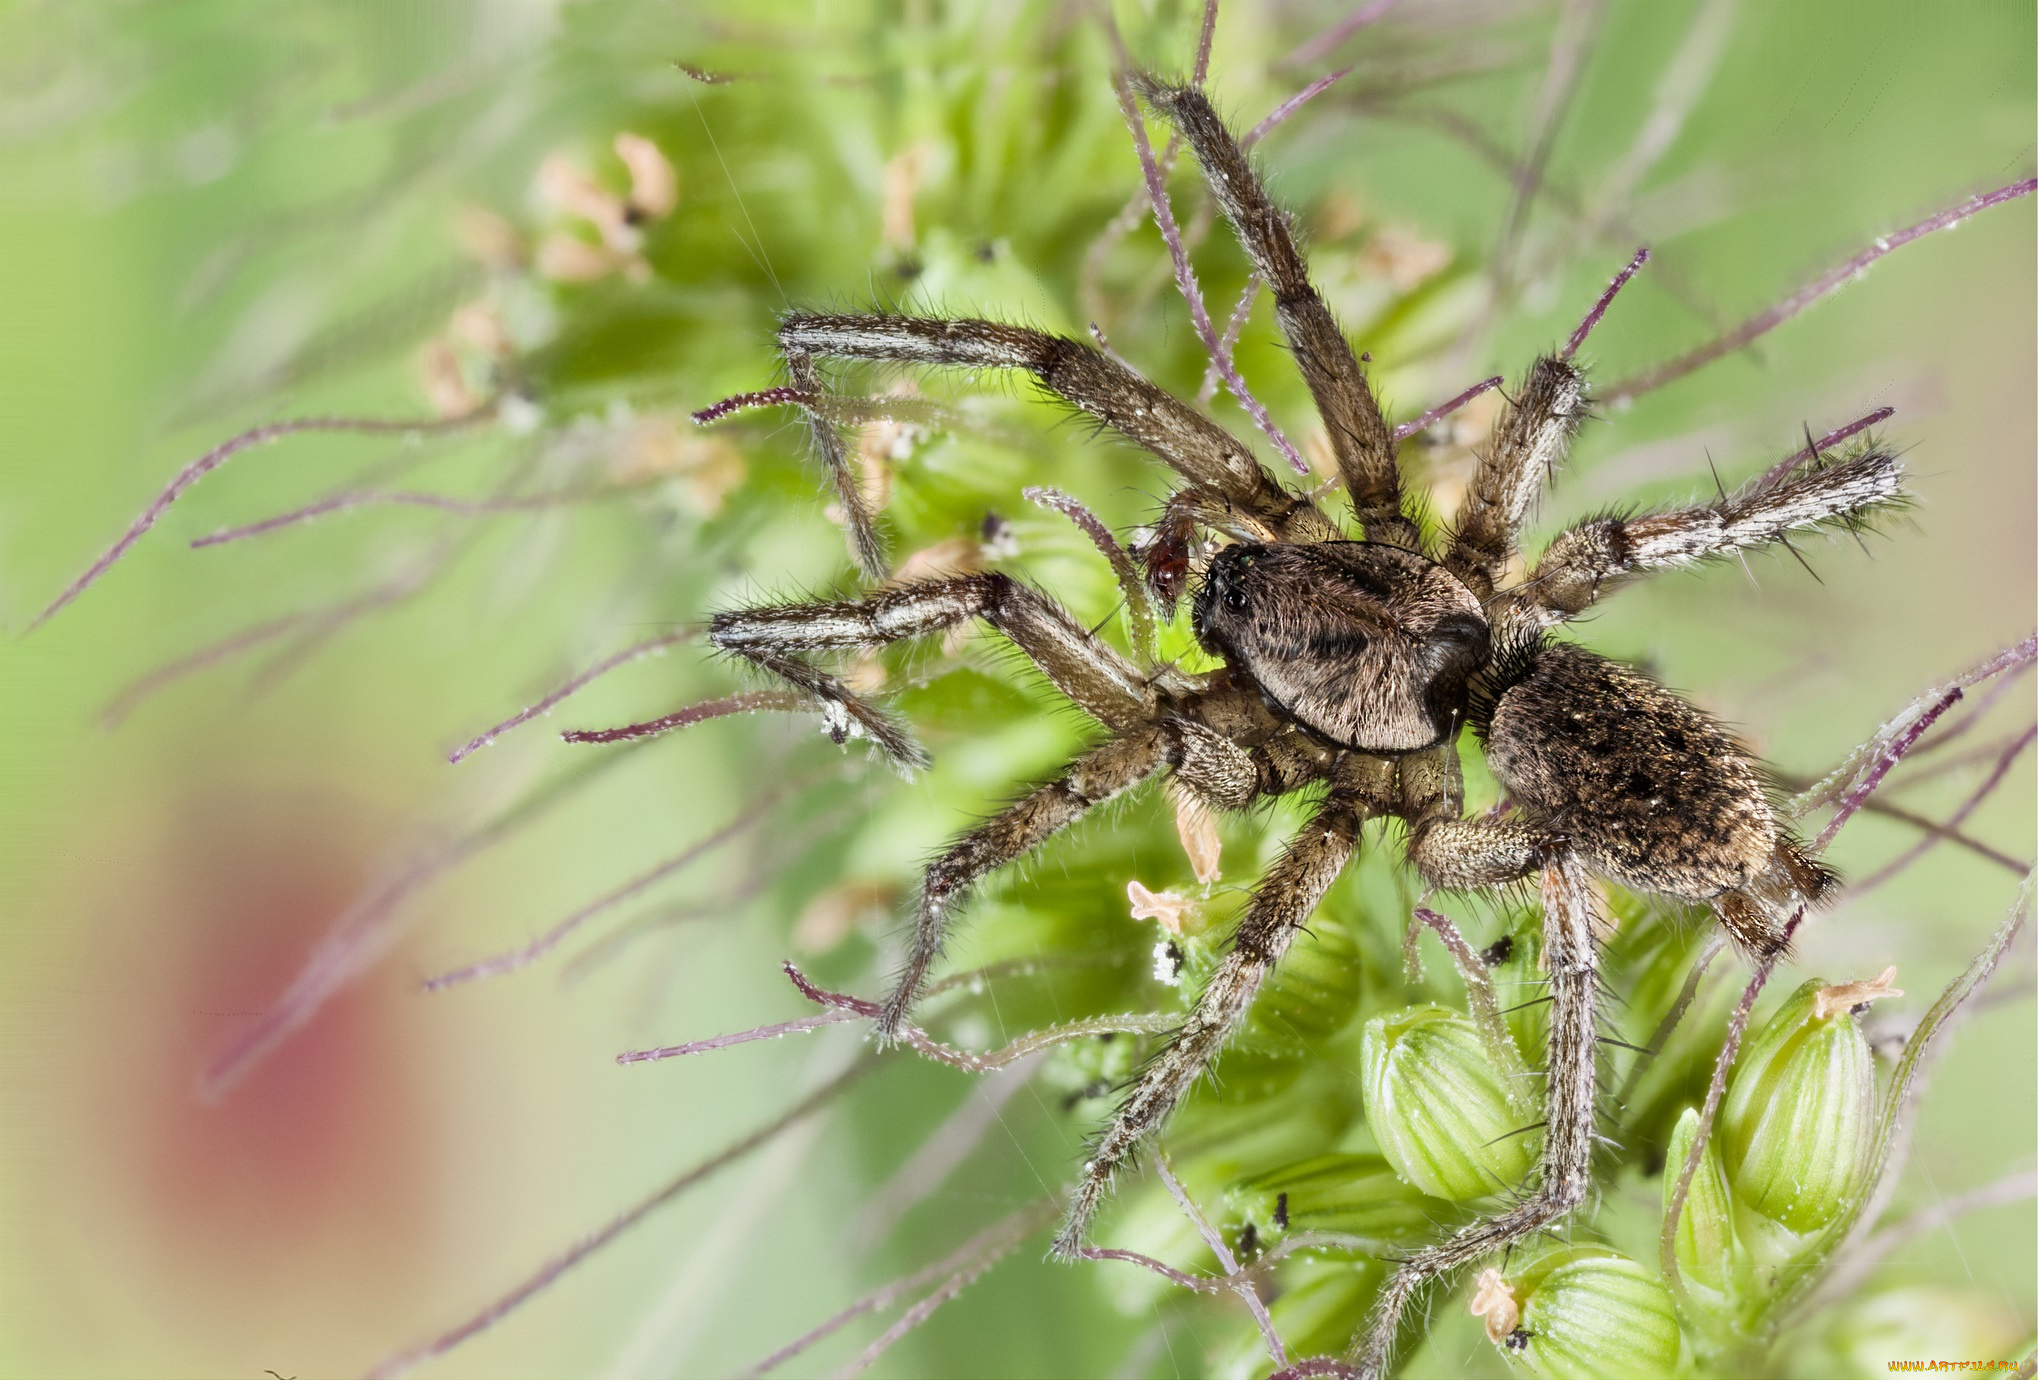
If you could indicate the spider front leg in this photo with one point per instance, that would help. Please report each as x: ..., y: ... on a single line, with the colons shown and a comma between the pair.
x: 1571, y: 1078
x: 1093, y: 675
x: 865, y: 542
x: 1594, y: 556
x: 1528, y: 445
x: 1282, y: 904
x: 1081, y: 667
x: 1359, y: 435
x: 1197, y: 448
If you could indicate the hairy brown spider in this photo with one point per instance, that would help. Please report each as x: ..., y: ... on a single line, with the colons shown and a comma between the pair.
x: 1350, y: 668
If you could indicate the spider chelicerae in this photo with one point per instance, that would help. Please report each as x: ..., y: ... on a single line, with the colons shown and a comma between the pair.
x: 1350, y: 668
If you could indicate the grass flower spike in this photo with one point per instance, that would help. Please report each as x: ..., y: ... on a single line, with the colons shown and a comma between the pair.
x: 1795, y: 1125
x: 1437, y: 1107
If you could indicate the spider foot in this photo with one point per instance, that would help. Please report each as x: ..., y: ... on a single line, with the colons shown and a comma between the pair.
x: 891, y: 1020
x: 1089, y: 1192
x: 843, y: 721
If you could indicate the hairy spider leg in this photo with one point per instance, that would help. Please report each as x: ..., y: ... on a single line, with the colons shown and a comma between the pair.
x: 1359, y: 435
x: 1197, y: 448
x: 866, y: 543
x: 1080, y: 665
x: 1457, y: 853
x: 1601, y: 554
x: 1204, y: 761
x: 1083, y: 668
x: 1572, y: 1075
x: 1112, y: 767
x: 1531, y: 440
x: 1286, y: 897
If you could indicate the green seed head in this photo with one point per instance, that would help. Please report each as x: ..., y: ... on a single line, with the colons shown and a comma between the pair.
x: 1705, y: 1232
x: 1798, y: 1112
x: 1584, y: 1313
x: 1313, y: 993
x: 1352, y: 1195
x: 1436, y: 1106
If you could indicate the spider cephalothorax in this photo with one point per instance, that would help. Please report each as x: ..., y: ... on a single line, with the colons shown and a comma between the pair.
x: 1368, y: 646
x: 1350, y: 667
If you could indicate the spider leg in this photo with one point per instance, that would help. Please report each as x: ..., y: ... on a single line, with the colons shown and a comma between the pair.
x: 1457, y: 853
x: 1205, y: 762
x: 1568, y: 1115
x: 865, y: 542
x: 1528, y: 445
x: 1283, y: 902
x: 1359, y: 435
x: 1197, y: 448
x: 1099, y: 774
x: 1608, y: 551
x: 1081, y: 666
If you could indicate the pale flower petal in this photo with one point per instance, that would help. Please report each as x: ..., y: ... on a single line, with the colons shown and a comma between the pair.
x: 1495, y: 1302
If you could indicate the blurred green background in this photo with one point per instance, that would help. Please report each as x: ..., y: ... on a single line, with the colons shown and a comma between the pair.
x: 213, y: 215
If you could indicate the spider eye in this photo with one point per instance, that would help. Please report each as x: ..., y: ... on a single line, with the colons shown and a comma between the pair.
x: 1234, y: 598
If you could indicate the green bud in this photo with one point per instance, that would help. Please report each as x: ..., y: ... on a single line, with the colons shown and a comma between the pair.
x: 1583, y: 1313
x: 1795, y: 1127
x: 1241, y: 1125
x: 1353, y: 1195
x: 1436, y: 1106
x: 1705, y: 1232
x: 1311, y: 993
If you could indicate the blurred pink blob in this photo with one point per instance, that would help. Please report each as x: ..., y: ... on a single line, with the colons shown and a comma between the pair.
x: 292, y: 1213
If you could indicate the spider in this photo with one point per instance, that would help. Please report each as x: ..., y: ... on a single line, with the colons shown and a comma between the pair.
x: 1350, y: 668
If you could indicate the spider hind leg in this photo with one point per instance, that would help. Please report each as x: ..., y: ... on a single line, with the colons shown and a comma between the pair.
x: 1568, y: 1115
x: 1283, y: 902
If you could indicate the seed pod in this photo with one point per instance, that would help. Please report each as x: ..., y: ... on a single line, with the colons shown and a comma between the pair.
x: 1353, y: 1195
x: 1798, y: 1113
x: 1705, y: 1232
x: 1436, y: 1106
x: 1587, y: 1313
x: 1310, y: 995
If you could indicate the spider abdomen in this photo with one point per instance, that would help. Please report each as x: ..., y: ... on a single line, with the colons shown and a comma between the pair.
x: 1650, y: 790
